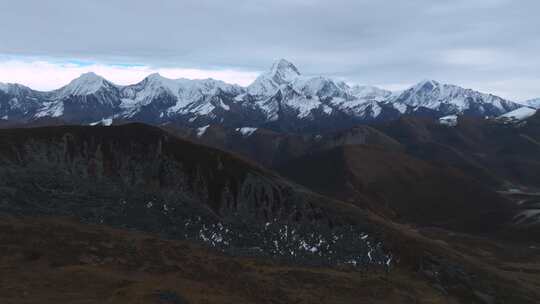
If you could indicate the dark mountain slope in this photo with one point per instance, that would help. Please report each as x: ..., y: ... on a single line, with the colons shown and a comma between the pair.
x: 140, y: 177
x: 497, y: 154
x: 402, y: 187
x: 272, y: 149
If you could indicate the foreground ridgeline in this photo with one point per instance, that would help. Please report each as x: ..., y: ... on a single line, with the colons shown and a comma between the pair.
x: 280, y: 99
x: 139, y: 177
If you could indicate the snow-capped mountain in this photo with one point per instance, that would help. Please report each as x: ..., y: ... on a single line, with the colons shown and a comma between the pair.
x: 281, y: 98
x: 283, y: 93
x: 18, y: 102
x: 535, y: 103
x: 87, y: 98
x: 444, y: 99
x: 159, y: 98
x: 86, y: 84
x: 281, y: 73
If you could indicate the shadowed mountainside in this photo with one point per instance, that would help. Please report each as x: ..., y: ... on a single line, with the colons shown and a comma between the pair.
x: 142, y: 178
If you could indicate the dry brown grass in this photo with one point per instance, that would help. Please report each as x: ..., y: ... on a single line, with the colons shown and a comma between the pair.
x: 62, y: 261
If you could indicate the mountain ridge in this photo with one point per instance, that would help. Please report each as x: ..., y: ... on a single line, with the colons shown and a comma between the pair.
x: 281, y: 98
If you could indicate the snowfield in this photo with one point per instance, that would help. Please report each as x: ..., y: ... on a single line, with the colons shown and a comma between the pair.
x: 450, y: 120
x: 246, y: 131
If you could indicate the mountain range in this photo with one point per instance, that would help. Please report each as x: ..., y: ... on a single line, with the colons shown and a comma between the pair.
x: 279, y: 99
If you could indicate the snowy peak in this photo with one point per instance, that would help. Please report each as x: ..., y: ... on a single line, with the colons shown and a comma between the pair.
x: 15, y: 89
x: 155, y: 77
x: 451, y: 99
x: 154, y: 84
x: 427, y: 85
x: 425, y: 89
x: 86, y: 84
x: 282, y: 72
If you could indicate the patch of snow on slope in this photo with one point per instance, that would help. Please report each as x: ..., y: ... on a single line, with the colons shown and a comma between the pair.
x: 51, y: 109
x: 370, y: 93
x: 240, y: 97
x: 202, y: 130
x: 104, y: 122
x: 204, y: 108
x: 224, y: 106
x: 530, y: 216
x: 304, y: 106
x: 402, y: 108
x: 246, y: 131
x: 519, y: 114
x: 365, y: 109
x: 450, y: 120
x: 270, y: 108
x: 327, y: 109
x: 318, y: 86
x: 4, y: 87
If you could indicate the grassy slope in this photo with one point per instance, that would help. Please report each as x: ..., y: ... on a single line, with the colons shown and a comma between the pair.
x: 61, y: 261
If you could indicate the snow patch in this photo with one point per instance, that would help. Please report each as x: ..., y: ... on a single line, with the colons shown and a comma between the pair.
x: 51, y: 109
x: 402, y: 108
x: 518, y: 115
x: 450, y: 120
x: 223, y: 105
x: 246, y: 131
x: 202, y: 130
x: 104, y: 122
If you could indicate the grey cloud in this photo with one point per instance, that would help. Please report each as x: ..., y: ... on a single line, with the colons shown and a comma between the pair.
x: 373, y: 42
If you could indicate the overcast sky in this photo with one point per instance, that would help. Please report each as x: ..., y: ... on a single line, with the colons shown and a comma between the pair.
x: 489, y: 45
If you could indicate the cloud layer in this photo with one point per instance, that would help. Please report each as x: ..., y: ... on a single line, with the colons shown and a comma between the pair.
x: 492, y: 45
